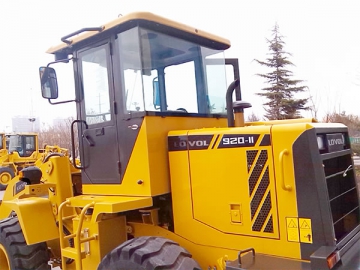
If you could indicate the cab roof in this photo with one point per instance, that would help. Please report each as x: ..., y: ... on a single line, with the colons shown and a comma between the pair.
x: 151, y: 21
x: 21, y: 134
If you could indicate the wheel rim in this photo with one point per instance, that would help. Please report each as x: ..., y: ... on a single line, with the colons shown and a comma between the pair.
x: 5, y: 177
x: 4, y: 260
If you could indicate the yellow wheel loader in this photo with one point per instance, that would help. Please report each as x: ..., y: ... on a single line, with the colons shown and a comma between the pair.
x: 171, y: 175
x: 21, y: 150
x: 2, y: 141
x: 18, y: 151
x: 5, y: 173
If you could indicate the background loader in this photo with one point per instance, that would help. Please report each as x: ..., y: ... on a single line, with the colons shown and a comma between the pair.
x: 171, y: 175
x: 18, y: 151
x: 21, y: 150
x: 2, y: 141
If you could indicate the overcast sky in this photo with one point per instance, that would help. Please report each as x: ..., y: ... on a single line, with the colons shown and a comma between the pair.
x: 322, y: 36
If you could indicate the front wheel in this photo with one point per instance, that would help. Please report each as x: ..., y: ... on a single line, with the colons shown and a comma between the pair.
x: 148, y: 252
x: 15, y: 254
x: 6, y: 174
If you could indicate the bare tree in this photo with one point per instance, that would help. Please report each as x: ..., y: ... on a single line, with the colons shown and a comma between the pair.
x: 313, y: 104
x: 59, y: 135
x: 350, y: 120
x: 253, y: 117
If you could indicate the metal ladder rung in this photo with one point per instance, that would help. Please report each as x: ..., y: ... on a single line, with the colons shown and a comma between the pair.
x: 71, y: 253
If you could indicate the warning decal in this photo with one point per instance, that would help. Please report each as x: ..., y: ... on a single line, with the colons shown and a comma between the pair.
x: 292, y: 226
x: 305, y: 230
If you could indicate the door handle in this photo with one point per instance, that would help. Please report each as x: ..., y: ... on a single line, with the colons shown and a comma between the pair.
x: 89, y: 140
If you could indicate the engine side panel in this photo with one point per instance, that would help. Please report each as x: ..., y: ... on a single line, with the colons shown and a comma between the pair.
x: 256, y: 186
x: 229, y: 195
x: 232, y: 182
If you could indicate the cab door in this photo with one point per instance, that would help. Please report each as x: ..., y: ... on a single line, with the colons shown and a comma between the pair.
x: 98, y: 136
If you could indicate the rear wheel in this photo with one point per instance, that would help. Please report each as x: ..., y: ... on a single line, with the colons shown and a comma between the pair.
x: 15, y: 254
x: 148, y: 252
x: 6, y: 174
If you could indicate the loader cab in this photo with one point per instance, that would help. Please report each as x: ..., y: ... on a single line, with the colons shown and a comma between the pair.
x: 24, y: 144
x: 153, y: 74
x: 136, y: 69
x: 2, y: 141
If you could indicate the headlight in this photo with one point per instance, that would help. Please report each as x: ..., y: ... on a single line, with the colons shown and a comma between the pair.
x: 320, y: 142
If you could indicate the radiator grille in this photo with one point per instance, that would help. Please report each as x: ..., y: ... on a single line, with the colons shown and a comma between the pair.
x: 344, y: 203
x: 259, y: 192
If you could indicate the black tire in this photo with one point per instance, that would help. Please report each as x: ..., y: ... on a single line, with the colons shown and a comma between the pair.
x: 15, y: 254
x: 148, y: 253
x: 6, y: 174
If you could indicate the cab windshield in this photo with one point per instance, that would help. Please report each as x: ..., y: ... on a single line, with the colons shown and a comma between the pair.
x: 25, y: 145
x: 162, y: 73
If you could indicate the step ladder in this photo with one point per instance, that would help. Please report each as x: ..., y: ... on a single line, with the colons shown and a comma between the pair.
x: 75, y: 253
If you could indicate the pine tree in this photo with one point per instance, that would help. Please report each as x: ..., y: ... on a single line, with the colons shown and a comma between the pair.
x: 281, y: 103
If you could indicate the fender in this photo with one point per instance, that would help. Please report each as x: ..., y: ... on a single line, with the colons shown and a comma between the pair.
x: 34, y: 214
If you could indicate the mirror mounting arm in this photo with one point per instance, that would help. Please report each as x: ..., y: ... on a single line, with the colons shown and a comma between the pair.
x: 67, y: 60
x: 61, y: 102
x: 55, y: 62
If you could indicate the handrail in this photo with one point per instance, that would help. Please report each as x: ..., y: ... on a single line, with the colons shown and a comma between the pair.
x: 62, y: 238
x: 68, y: 42
x: 61, y: 219
x: 246, y: 251
x: 77, y: 235
x: 73, y: 143
x: 281, y: 161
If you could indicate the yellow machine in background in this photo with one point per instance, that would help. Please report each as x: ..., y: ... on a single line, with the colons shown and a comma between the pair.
x: 21, y: 150
x: 3, y: 144
x: 2, y: 141
x: 18, y: 151
x: 171, y: 175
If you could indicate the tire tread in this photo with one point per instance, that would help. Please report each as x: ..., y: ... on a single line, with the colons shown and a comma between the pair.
x: 22, y: 256
x: 149, y: 253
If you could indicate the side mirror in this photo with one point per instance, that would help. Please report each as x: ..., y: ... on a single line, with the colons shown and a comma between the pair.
x: 49, y: 86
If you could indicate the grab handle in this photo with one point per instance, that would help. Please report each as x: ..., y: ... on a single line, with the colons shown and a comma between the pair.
x: 68, y: 42
x: 73, y: 142
x: 282, y: 167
